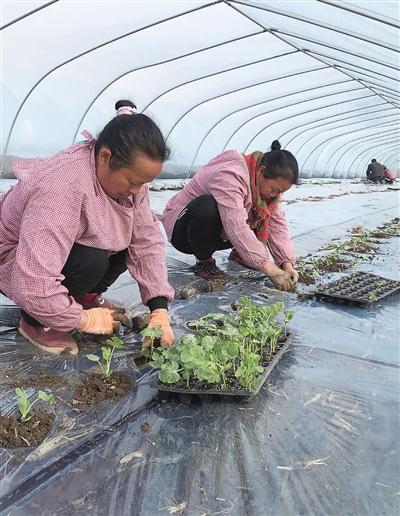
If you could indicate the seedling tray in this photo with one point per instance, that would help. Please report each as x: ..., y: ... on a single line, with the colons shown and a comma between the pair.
x: 359, y: 288
x: 232, y: 392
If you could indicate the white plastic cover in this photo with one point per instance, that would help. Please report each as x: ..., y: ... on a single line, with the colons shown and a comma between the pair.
x: 321, y: 76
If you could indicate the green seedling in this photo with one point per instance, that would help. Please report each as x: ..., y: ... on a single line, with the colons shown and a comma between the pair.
x: 223, y: 347
x: 154, y: 334
x: 107, y: 354
x: 25, y: 406
x: 373, y: 296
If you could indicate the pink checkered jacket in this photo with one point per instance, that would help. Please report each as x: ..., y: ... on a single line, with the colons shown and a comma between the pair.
x: 226, y: 178
x: 57, y: 202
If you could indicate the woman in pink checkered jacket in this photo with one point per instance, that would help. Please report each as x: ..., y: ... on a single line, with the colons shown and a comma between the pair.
x: 74, y: 222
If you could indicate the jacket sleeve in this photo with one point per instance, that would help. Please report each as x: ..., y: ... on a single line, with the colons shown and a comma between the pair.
x: 229, y: 189
x: 48, y: 230
x: 146, y: 254
x: 279, y: 241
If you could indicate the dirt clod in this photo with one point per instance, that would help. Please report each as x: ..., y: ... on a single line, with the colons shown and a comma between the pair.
x: 306, y: 278
x: 140, y: 322
x: 187, y: 292
x: 145, y: 426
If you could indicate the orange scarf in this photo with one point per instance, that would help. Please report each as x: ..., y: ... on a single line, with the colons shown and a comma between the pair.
x: 261, y: 210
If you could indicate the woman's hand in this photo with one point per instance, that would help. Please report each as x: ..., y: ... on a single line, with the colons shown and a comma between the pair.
x: 160, y: 318
x: 99, y: 321
x: 288, y: 267
x: 281, y: 279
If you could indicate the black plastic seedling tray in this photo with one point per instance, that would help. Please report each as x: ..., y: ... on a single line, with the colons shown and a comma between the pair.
x: 359, y: 288
x: 232, y: 392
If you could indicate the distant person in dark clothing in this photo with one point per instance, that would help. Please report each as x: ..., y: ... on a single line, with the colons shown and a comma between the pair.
x: 275, y: 145
x: 375, y: 172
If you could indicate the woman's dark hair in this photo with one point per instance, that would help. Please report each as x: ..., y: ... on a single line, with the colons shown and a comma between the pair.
x: 275, y: 145
x: 130, y: 135
x: 280, y: 163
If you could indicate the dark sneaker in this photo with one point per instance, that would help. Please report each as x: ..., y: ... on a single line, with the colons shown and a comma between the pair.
x: 208, y: 270
x: 48, y: 340
x: 89, y: 301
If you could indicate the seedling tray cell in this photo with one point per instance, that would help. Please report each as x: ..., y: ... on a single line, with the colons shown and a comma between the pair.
x: 359, y: 288
x: 232, y: 392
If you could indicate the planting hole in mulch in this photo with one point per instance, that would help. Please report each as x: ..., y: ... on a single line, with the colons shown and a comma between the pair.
x: 41, y: 380
x: 95, y: 389
x: 14, y: 434
x: 306, y: 278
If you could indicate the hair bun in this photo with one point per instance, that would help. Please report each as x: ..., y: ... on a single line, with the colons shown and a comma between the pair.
x: 275, y: 145
x: 125, y: 107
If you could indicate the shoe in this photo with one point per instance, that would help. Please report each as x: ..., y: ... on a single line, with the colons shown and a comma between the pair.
x: 235, y: 257
x: 47, y: 339
x: 89, y: 301
x: 208, y: 270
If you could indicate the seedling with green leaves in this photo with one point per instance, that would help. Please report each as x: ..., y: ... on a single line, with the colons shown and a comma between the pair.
x: 107, y: 354
x: 25, y: 406
x: 224, y: 350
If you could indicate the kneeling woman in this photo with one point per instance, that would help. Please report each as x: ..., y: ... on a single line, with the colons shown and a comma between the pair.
x: 74, y: 222
x: 233, y: 201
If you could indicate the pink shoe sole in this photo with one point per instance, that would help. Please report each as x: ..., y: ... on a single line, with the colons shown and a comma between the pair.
x: 48, y: 349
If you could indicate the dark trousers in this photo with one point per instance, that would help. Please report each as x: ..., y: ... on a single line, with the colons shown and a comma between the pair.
x: 376, y: 179
x: 198, y: 229
x: 88, y: 270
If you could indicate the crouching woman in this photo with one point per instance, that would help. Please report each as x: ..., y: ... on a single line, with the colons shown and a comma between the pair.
x: 233, y: 201
x: 77, y: 220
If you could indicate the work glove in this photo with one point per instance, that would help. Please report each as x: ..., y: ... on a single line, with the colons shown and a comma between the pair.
x: 100, y: 321
x: 282, y: 280
x: 160, y: 318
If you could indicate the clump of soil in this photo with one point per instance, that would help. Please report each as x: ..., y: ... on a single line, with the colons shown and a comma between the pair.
x: 216, y: 285
x: 43, y: 380
x: 89, y: 341
x: 145, y: 427
x: 140, y: 322
x: 187, y: 292
x: 333, y: 267
x: 302, y: 296
x: 357, y: 229
x: 14, y: 434
x: 363, y: 248
x: 95, y: 389
x: 306, y: 278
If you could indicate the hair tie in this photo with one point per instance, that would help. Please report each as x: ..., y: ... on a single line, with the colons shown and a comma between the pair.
x: 126, y: 110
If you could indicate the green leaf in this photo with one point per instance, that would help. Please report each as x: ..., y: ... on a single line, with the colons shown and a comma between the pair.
x: 93, y: 358
x: 21, y: 393
x: 107, y: 353
x: 46, y: 397
x: 152, y: 332
x: 189, y: 340
x: 115, y: 342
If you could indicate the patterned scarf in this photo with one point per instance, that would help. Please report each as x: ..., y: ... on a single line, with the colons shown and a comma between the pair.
x: 261, y: 210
